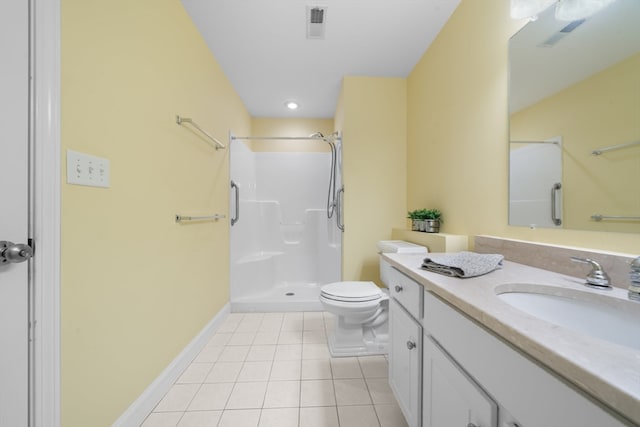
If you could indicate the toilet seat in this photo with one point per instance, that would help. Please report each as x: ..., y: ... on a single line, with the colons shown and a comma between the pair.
x: 352, y: 292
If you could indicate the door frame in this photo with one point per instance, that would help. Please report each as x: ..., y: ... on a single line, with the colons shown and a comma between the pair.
x: 45, y: 187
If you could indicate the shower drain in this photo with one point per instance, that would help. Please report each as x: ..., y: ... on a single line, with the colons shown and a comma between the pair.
x: 290, y: 294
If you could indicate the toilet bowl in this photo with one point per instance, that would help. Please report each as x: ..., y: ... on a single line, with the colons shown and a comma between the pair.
x: 362, y: 310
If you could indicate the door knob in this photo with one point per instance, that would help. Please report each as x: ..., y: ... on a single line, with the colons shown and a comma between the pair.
x: 398, y: 288
x: 411, y: 345
x: 11, y: 253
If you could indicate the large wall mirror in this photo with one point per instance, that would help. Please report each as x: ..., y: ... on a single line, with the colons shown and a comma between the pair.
x: 574, y: 106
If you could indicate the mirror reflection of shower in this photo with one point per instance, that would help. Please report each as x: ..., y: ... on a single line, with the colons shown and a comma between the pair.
x: 288, y: 240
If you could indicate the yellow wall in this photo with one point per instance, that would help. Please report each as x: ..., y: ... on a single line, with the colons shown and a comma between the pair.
x: 136, y: 286
x: 290, y: 128
x: 606, y: 184
x: 372, y: 117
x: 457, y: 131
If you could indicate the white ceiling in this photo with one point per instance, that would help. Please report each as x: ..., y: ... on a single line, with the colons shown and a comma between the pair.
x: 262, y: 46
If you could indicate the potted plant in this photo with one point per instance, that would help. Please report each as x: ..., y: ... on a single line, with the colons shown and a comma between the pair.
x: 414, y: 216
x: 432, y: 219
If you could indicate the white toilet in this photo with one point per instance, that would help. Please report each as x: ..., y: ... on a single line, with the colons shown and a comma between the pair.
x: 361, y: 308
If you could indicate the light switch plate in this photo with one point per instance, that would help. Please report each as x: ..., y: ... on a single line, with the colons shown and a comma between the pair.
x: 85, y: 169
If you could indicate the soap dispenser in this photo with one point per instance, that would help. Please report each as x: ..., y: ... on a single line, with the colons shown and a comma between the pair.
x: 634, y: 285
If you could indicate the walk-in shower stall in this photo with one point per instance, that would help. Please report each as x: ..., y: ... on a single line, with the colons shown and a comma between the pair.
x: 286, y: 238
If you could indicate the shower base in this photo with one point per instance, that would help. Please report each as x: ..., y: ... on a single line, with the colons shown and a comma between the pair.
x: 286, y: 297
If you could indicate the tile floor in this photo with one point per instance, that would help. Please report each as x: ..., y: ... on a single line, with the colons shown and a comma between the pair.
x: 275, y: 370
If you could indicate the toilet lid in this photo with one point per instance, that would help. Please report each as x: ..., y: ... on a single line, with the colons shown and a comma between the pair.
x: 352, y: 291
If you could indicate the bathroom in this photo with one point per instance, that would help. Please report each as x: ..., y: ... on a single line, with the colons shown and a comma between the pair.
x: 147, y: 287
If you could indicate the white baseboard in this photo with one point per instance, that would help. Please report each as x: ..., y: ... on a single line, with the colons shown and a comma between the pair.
x: 144, y: 404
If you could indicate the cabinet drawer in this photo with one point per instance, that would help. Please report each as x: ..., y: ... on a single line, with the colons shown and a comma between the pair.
x: 407, y: 292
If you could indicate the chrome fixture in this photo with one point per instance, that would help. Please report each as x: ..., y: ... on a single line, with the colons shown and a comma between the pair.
x: 180, y: 120
x: 599, y: 217
x: 214, y: 217
x: 599, y: 151
x: 11, y: 253
x: 237, y: 217
x: 597, y: 277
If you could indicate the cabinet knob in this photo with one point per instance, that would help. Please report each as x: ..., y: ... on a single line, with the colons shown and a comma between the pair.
x: 411, y: 345
x: 398, y: 288
x: 471, y: 425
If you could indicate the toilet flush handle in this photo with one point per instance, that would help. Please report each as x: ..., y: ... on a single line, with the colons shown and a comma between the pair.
x: 398, y: 288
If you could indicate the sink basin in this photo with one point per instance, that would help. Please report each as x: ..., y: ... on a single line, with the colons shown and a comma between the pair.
x: 600, y: 316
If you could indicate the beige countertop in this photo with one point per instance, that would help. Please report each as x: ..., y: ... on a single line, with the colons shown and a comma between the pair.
x: 608, y: 372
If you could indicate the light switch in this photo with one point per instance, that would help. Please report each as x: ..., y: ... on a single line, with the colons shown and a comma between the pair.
x: 85, y: 169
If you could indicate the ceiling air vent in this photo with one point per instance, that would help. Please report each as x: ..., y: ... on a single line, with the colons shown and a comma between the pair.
x: 556, y: 37
x: 316, y: 18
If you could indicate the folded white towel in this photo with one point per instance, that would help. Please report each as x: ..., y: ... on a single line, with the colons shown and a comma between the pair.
x: 462, y: 264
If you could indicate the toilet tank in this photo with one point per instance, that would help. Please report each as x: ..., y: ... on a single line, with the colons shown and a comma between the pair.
x: 395, y: 247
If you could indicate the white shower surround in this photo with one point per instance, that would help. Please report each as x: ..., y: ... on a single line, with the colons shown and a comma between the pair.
x: 283, y: 242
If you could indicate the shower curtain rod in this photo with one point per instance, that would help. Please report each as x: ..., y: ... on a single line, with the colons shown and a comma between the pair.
x: 290, y: 138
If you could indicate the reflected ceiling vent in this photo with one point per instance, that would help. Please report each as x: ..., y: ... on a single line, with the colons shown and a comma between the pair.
x: 316, y: 18
x: 556, y: 37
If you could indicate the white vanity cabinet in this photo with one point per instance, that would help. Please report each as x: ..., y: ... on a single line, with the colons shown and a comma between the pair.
x: 405, y: 348
x: 532, y: 395
x: 450, y: 396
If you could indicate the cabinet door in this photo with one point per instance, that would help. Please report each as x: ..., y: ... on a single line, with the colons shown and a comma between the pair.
x: 451, y: 398
x: 405, y: 360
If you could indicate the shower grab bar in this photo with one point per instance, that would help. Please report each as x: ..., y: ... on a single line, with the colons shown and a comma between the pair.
x: 555, y: 189
x: 237, y: 217
x: 215, y: 217
x: 180, y: 120
x: 599, y: 217
x: 339, y: 208
x: 599, y: 151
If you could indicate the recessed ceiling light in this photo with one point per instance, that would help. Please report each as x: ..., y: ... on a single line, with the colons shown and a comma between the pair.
x: 292, y: 105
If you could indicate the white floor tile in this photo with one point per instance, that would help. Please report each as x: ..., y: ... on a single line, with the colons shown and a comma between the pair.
x: 211, y: 397
x: 177, y: 398
x: 390, y: 416
x: 313, y: 324
x: 209, y: 354
x: 316, y: 369
x: 255, y: 371
x: 261, y: 353
x: 247, y: 395
x: 162, y: 419
x: 195, y: 373
x: 351, y: 392
x: 235, y: 353
x: 240, y: 418
x: 224, y: 372
x: 200, y: 419
x: 288, y: 352
x: 317, y: 336
x: 317, y: 393
x: 357, y: 416
x: 345, y: 367
x: 315, y: 351
x: 279, y: 417
x: 249, y: 326
x: 242, y: 338
x: 282, y: 394
x: 219, y: 339
x: 290, y: 337
x: 283, y: 370
x: 319, y: 417
x: 263, y: 338
x: 380, y: 391
x: 374, y: 366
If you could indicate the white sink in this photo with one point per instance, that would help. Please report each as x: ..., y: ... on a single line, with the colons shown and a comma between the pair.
x: 610, y: 318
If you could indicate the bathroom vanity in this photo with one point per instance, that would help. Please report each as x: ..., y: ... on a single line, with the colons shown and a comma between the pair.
x: 462, y: 356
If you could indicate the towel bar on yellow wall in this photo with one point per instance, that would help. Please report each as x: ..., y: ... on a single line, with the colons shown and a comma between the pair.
x: 599, y: 151
x: 180, y: 120
x: 599, y: 217
x: 215, y: 217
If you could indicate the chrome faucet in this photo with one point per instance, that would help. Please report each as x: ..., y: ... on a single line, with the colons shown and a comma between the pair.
x: 634, y: 286
x: 597, y: 277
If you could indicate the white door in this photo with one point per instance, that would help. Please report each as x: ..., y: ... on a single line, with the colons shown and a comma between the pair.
x: 450, y: 397
x: 405, y: 362
x: 14, y: 214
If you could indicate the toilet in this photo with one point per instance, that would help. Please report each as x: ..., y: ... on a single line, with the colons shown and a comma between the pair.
x: 362, y: 309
